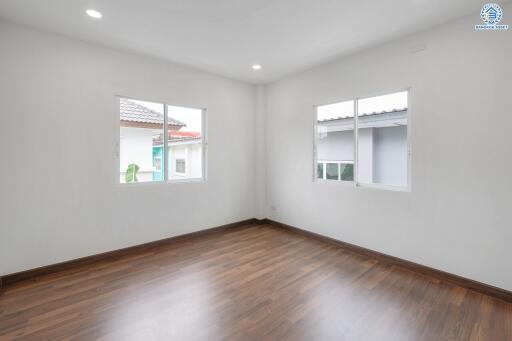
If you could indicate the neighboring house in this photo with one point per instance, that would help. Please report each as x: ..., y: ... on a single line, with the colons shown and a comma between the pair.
x: 141, y: 143
x: 382, y: 148
x: 185, y: 150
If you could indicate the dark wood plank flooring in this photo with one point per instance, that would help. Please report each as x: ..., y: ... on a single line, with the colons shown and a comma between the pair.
x: 249, y: 283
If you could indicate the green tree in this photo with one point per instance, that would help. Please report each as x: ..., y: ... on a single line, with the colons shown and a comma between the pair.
x: 131, y: 173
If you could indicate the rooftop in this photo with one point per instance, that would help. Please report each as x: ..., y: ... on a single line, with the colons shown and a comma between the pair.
x: 131, y: 111
x: 176, y: 136
x: 364, y: 114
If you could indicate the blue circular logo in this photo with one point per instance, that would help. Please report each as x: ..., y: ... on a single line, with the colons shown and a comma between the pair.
x: 491, y: 14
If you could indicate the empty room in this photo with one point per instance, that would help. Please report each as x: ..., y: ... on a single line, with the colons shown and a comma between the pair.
x: 255, y: 170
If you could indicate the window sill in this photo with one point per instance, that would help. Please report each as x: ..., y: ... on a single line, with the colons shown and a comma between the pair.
x: 363, y: 185
x: 164, y: 183
x: 334, y: 182
x: 384, y: 187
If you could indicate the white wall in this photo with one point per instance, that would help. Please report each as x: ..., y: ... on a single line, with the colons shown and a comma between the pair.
x: 58, y: 112
x: 457, y: 216
x: 260, y: 162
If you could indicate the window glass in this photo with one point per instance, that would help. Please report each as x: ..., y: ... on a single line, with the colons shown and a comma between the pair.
x: 150, y: 153
x: 382, y: 140
x: 346, y: 171
x: 335, y: 140
x: 320, y: 170
x: 185, y: 147
x: 332, y: 171
x: 180, y: 166
x: 141, y: 124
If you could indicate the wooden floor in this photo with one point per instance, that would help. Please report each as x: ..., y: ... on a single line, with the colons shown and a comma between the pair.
x: 249, y: 283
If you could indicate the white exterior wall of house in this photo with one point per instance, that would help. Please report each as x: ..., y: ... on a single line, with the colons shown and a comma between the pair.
x: 390, y: 155
x: 336, y: 146
x: 191, y: 152
x: 136, y: 146
x: 382, y: 153
x: 365, y: 155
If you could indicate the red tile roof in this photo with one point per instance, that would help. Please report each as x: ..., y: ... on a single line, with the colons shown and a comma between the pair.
x: 175, y: 136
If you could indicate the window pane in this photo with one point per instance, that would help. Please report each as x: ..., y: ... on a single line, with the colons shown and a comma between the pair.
x: 335, y: 138
x: 333, y: 171
x: 320, y: 170
x: 185, y: 150
x: 347, y: 171
x: 180, y: 166
x: 382, y: 139
x: 141, y: 124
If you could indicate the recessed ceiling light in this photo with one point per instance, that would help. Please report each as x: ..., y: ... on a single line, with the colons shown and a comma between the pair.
x: 256, y: 67
x: 94, y: 14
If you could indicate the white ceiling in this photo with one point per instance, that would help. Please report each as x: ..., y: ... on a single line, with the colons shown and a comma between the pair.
x: 227, y: 36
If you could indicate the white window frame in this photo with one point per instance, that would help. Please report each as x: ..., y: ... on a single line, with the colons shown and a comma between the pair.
x: 165, y: 161
x: 356, y: 182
